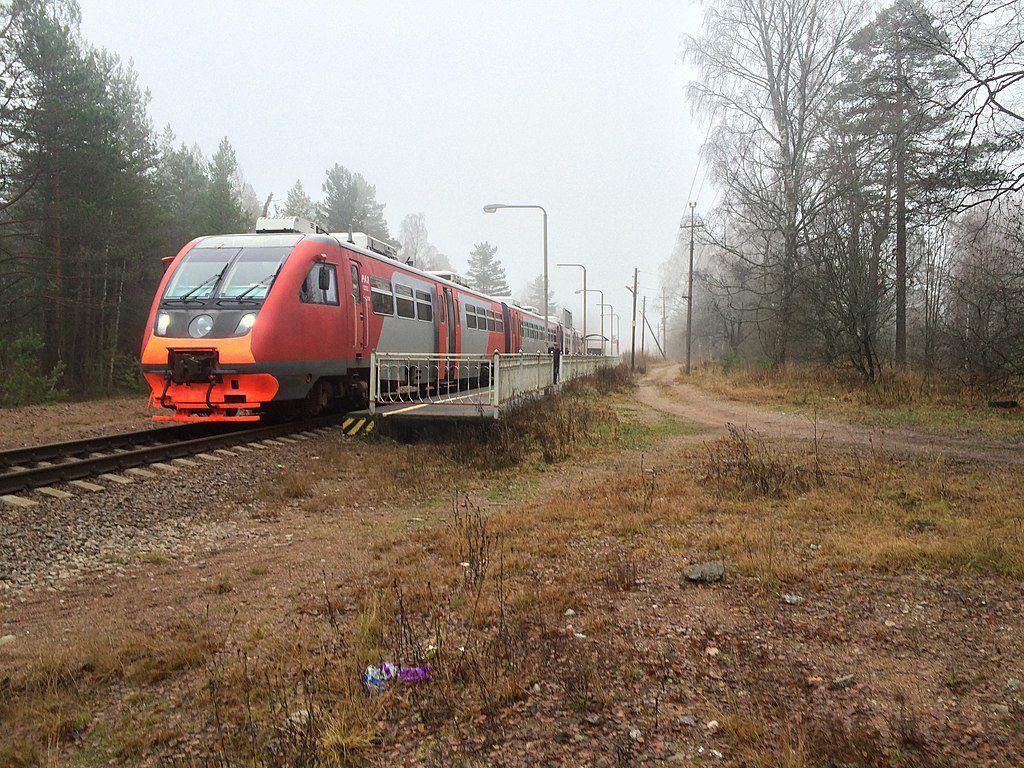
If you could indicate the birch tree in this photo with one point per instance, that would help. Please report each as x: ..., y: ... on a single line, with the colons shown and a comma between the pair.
x: 767, y: 71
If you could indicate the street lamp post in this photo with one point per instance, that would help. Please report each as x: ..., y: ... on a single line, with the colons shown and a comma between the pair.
x: 601, y: 303
x: 494, y: 207
x: 570, y: 264
x: 616, y: 345
x: 610, y: 314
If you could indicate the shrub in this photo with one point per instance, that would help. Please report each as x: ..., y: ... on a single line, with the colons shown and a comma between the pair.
x: 21, y: 380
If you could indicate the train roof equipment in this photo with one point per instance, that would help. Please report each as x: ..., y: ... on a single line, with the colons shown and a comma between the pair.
x: 451, y: 277
x: 369, y: 243
x: 266, y: 224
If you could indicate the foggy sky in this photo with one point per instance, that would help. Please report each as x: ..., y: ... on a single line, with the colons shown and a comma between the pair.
x: 445, y: 107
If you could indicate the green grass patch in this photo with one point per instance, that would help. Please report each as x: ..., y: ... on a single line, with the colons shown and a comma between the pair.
x: 634, y: 434
x: 512, y: 488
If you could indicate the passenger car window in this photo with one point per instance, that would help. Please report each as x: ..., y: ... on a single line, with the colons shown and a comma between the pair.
x: 403, y: 301
x: 424, y: 307
x: 381, y: 297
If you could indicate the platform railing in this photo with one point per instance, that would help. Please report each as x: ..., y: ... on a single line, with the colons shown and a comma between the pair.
x: 483, y: 382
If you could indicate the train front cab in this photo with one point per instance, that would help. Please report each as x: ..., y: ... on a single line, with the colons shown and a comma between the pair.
x: 222, y: 343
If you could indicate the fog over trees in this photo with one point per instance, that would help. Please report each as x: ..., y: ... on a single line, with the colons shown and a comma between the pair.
x: 870, y: 184
x: 415, y: 247
x: 866, y: 160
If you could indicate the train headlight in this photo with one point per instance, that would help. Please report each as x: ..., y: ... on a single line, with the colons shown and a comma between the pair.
x: 245, y: 323
x: 163, y: 322
x: 200, y: 326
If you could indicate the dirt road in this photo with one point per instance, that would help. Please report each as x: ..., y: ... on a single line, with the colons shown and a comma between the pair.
x: 664, y: 389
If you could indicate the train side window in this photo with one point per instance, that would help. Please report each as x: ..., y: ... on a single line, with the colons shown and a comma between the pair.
x: 424, y: 308
x: 470, y: 316
x: 490, y: 320
x: 381, y: 298
x: 310, y: 291
x: 355, y: 284
x: 403, y: 301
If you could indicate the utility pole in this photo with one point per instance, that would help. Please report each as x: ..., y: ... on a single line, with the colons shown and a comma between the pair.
x: 664, y: 323
x: 643, y: 328
x: 689, y: 290
x: 632, y: 346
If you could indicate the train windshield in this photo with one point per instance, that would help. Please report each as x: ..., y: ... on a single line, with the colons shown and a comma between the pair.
x: 226, y: 273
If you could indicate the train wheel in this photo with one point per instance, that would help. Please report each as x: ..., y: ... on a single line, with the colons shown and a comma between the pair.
x: 317, y: 400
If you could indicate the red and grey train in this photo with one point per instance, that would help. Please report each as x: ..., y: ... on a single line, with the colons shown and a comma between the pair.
x: 285, y: 319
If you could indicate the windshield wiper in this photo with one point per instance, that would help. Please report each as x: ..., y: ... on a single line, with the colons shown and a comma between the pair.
x: 198, y: 302
x: 268, y: 280
x: 212, y: 279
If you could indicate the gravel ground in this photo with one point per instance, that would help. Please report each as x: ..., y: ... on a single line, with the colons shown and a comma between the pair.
x: 41, y: 424
x: 177, y: 515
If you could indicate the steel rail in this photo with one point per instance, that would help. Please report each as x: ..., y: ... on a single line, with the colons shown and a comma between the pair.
x: 31, y: 454
x: 91, y: 466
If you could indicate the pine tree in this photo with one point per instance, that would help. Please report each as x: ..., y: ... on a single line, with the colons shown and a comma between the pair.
x: 224, y: 204
x: 897, y: 82
x: 298, y: 203
x: 533, y: 296
x: 350, y: 204
x: 486, y: 272
x: 182, y: 184
x: 85, y: 162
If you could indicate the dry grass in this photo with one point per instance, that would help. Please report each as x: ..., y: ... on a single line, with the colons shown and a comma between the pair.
x: 52, y: 701
x: 900, y: 398
x: 482, y: 596
x: 850, y: 509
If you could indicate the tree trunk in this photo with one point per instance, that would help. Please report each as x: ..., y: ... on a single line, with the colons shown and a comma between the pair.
x: 901, y: 218
x: 116, y: 330
x: 58, y: 268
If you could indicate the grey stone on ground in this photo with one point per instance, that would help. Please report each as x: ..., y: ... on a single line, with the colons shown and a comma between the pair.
x: 846, y: 681
x: 704, y: 573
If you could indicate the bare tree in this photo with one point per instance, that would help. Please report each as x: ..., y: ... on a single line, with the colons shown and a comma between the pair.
x: 985, y: 313
x: 415, y: 247
x: 413, y: 241
x: 983, y: 39
x: 768, y: 69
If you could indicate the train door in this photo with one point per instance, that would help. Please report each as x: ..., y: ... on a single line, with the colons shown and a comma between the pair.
x: 506, y: 319
x: 451, y: 334
x: 359, y: 327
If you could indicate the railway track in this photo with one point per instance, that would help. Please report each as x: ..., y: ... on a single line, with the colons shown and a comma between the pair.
x: 24, y: 469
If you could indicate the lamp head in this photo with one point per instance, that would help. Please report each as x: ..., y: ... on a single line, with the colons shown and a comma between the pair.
x: 492, y: 207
